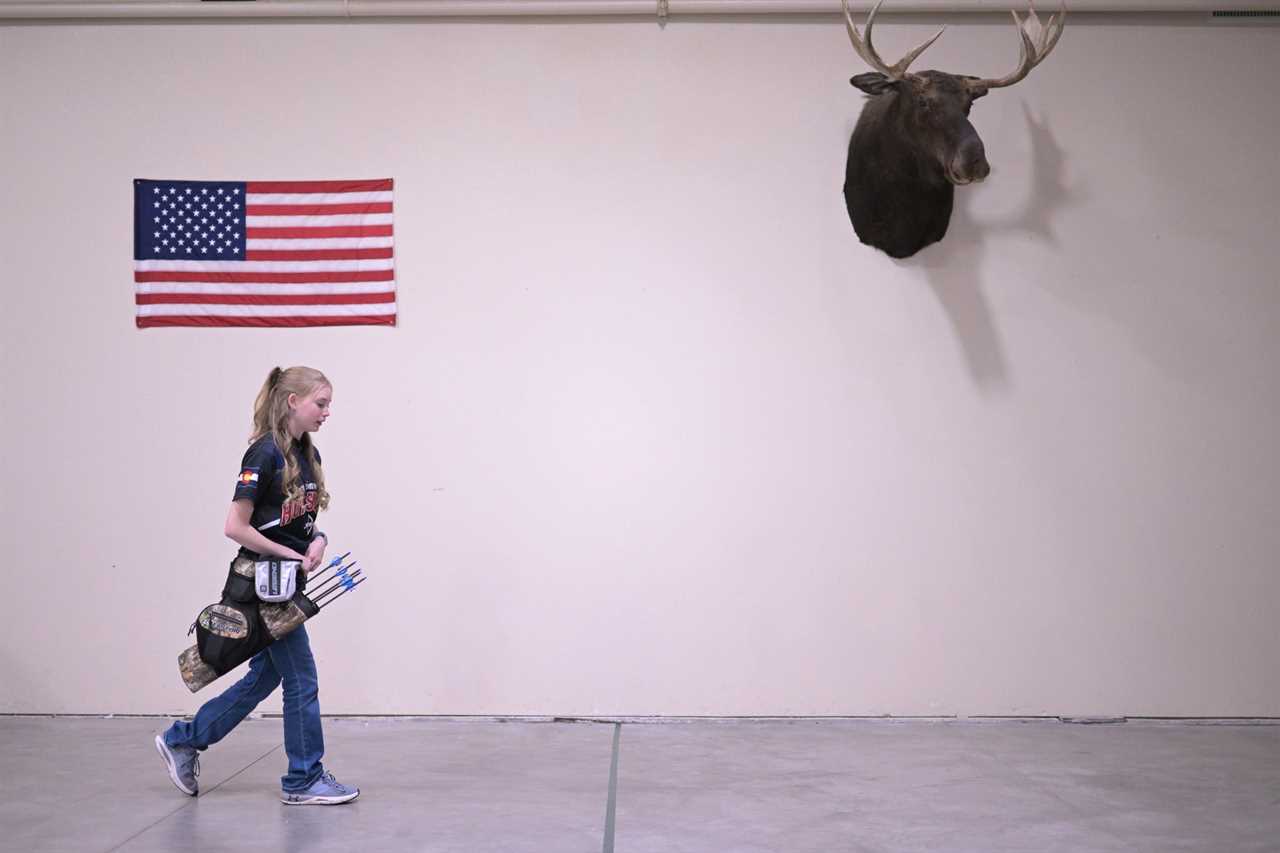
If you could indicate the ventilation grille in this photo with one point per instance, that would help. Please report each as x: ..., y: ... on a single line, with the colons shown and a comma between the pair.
x: 1246, y: 16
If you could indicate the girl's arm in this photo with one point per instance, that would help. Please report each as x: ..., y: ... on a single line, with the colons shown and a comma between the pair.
x: 239, y: 530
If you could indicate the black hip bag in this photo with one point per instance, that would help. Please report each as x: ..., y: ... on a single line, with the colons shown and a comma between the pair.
x: 240, y: 625
x: 243, y: 623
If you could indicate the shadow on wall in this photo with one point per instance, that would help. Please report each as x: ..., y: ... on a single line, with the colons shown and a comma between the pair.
x: 954, y: 265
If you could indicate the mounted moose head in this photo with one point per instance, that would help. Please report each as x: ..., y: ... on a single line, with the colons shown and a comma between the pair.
x: 913, y: 144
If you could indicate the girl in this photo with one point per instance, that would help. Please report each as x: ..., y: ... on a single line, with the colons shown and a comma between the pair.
x: 278, y: 494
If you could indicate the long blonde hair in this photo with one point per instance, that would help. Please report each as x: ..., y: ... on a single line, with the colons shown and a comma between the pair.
x: 271, y: 417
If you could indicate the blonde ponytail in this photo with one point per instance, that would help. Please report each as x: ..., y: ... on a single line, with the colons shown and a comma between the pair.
x: 271, y: 417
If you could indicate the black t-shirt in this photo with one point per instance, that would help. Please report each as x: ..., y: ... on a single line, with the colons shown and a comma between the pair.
x: 261, y: 480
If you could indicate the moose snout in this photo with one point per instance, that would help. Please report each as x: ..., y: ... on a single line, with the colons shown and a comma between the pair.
x: 969, y: 163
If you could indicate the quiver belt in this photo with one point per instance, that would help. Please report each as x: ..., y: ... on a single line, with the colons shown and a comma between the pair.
x: 239, y: 626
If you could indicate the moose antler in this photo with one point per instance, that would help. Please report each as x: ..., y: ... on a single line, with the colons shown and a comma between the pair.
x: 862, y: 44
x: 1030, y: 52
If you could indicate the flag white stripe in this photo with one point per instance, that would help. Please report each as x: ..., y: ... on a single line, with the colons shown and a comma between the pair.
x: 316, y: 198
x: 215, y: 310
x: 261, y: 289
x: 317, y: 221
x: 265, y: 266
x: 289, y: 244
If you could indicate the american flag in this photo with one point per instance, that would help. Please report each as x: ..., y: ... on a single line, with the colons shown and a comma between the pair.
x: 263, y: 253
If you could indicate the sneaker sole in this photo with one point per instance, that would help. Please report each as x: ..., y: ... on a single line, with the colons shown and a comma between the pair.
x: 319, y: 801
x: 168, y: 763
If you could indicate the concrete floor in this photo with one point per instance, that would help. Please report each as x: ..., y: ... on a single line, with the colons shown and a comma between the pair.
x: 90, y: 784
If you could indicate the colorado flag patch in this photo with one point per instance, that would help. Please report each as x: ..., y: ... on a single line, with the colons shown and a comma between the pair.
x: 248, y: 476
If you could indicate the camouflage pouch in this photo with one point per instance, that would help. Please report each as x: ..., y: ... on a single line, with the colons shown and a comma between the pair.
x: 194, y: 671
x: 227, y: 634
x: 280, y: 619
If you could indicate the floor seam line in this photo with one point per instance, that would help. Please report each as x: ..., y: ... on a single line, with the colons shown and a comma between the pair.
x: 610, y: 812
x: 190, y: 801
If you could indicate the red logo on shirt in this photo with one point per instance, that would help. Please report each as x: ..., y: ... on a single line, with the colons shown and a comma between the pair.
x: 294, y: 509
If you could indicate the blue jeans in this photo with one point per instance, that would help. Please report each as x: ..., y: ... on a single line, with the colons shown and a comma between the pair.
x: 289, y: 660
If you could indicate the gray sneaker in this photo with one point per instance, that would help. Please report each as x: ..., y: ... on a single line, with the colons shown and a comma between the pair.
x: 325, y: 791
x: 183, y: 763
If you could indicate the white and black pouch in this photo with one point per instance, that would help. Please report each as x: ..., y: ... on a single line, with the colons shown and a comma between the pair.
x: 276, y: 580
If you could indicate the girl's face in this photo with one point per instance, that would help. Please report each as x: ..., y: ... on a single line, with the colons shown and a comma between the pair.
x: 308, y: 414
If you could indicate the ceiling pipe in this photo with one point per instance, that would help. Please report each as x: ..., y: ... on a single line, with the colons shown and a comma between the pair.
x: 177, y: 9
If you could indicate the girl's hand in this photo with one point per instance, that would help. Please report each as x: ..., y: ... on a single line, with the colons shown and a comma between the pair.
x: 315, y: 553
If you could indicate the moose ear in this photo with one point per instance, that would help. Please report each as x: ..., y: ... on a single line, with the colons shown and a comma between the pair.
x: 873, y: 82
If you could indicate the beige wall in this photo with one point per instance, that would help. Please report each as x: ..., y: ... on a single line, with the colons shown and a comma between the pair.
x: 656, y: 434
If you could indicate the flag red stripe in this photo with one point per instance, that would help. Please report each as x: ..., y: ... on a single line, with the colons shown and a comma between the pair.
x: 315, y: 209
x: 318, y: 186
x: 260, y: 299
x: 316, y: 254
x: 317, y: 233
x: 344, y: 320
x: 267, y: 277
